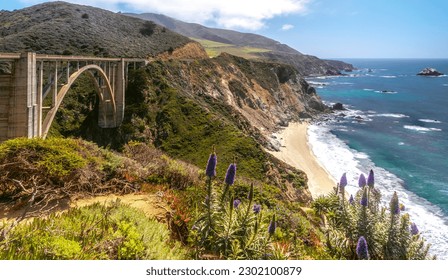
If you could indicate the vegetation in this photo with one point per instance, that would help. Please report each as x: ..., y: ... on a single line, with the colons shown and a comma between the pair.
x: 359, y: 228
x: 214, y: 49
x: 101, y: 232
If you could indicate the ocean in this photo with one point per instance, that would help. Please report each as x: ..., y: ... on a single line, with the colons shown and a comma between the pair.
x: 396, y: 123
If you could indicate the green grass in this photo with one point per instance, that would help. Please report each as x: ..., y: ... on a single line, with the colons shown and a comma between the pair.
x: 214, y: 49
x: 93, y: 232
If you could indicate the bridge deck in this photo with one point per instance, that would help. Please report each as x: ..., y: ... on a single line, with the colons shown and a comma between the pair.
x: 45, y: 57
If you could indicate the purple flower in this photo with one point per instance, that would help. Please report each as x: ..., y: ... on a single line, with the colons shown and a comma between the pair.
x: 343, y: 181
x: 361, y: 249
x: 371, y: 179
x: 402, y: 207
x: 394, y: 204
x: 230, y: 174
x: 272, y: 226
x: 210, y: 170
x: 364, y: 200
x: 414, y: 229
x: 236, y: 203
x: 362, y: 181
x: 351, y: 200
x: 257, y: 208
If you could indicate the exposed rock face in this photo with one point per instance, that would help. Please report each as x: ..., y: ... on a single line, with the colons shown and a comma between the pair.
x: 63, y: 28
x: 429, y: 72
x: 192, y: 50
x: 266, y: 94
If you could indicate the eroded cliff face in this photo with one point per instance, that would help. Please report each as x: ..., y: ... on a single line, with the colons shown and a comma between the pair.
x: 192, y: 50
x: 268, y: 95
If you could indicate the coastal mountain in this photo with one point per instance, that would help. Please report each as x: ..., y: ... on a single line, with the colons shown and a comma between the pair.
x: 260, y: 47
x: 64, y: 28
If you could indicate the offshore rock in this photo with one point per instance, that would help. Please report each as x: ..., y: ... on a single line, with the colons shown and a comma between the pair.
x: 429, y: 72
x: 338, y: 106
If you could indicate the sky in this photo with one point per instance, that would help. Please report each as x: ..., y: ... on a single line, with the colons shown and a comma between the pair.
x: 324, y: 28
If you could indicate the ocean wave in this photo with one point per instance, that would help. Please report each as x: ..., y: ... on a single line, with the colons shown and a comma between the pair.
x: 421, y: 128
x: 342, y: 158
x: 386, y: 91
x: 389, y: 77
x: 429, y: 121
x: 389, y: 115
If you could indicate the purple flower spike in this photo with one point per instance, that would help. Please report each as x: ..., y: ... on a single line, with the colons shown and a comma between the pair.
x: 361, y: 249
x: 371, y: 179
x: 272, y: 226
x: 210, y: 171
x: 236, y: 203
x: 351, y: 200
x: 362, y: 181
x: 230, y: 174
x: 257, y: 208
x: 343, y: 181
x: 394, y: 204
x: 414, y: 229
x: 364, y: 200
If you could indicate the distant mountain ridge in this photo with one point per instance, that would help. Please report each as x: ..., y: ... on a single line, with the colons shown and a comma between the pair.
x: 305, y: 64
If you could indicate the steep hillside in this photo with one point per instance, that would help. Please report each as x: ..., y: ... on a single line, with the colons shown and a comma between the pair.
x: 305, y: 64
x: 63, y: 28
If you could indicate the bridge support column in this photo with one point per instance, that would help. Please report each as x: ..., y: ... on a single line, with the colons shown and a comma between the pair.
x: 120, y: 88
x: 23, y: 101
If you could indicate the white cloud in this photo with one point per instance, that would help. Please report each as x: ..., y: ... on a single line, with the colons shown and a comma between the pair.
x: 245, y: 14
x: 287, y: 27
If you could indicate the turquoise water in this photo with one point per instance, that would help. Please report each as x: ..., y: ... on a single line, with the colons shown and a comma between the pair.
x: 396, y: 123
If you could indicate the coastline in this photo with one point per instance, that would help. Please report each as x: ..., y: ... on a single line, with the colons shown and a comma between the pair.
x: 296, y: 151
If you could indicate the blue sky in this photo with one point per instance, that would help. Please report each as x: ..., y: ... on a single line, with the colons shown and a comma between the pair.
x: 325, y: 28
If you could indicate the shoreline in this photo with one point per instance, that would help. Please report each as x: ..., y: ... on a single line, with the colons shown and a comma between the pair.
x: 296, y: 151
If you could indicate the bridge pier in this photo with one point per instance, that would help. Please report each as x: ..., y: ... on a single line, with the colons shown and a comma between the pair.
x: 18, y: 100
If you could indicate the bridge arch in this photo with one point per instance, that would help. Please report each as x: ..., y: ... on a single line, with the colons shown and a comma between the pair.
x: 107, y: 105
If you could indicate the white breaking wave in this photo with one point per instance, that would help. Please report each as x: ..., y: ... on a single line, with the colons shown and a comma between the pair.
x: 388, y: 77
x: 429, y: 121
x: 428, y: 217
x: 398, y: 116
x: 421, y: 129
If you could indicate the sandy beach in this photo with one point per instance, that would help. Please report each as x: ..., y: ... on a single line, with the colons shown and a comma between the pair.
x: 296, y: 151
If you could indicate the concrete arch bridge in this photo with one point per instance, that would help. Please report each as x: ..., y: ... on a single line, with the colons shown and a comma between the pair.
x: 34, y: 86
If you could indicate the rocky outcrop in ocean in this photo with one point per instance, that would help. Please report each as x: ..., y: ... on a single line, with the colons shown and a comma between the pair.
x: 429, y: 72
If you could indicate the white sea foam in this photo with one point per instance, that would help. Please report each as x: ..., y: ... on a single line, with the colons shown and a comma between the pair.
x: 429, y: 121
x: 397, y: 116
x: 389, y: 77
x: 368, y: 89
x: 421, y: 129
x: 428, y: 217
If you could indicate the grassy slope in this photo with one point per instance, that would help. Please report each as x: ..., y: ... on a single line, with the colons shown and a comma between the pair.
x: 214, y: 49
